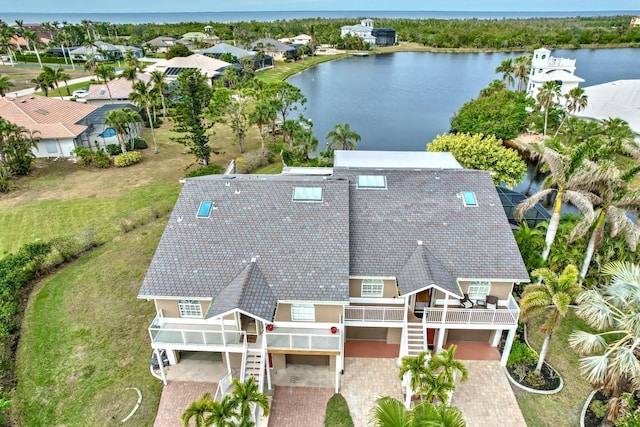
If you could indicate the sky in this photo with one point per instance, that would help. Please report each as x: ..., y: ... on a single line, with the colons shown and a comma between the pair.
x: 128, y: 6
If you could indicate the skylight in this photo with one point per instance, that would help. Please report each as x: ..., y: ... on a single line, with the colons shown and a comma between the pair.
x: 205, y: 209
x: 469, y: 198
x: 372, y: 181
x: 307, y: 194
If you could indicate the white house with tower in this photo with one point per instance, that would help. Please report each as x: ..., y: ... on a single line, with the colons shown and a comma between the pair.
x: 545, y: 68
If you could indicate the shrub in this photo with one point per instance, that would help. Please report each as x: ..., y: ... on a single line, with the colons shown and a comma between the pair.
x: 253, y: 161
x: 206, y: 170
x: 521, y: 353
x: 598, y: 407
x: 113, y: 149
x: 535, y: 379
x: 88, y: 157
x: 5, y: 185
x: 337, y: 413
x: 138, y: 144
x: 127, y: 159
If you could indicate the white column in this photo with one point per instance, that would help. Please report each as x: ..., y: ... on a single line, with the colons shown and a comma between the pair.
x: 507, y: 347
x: 496, y: 338
x: 407, y: 390
x: 446, y: 305
x: 338, y: 369
x: 161, y: 364
x: 440, y: 343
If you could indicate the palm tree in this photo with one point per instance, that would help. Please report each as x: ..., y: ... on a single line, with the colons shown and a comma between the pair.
x: 198, y: 410
x: 611, y: 356
x: 390, y: 412
x: 417, y: 368
x: 263, y: 114
x: 32, y: 36
x: 5, y: 85
x: 223, y: 413
x: 106, y: 73
x: 246, y: 396
x: 506, y: 68
x: 445, y: 363
x: 159, y: 85
x: 567, y: 179
x: 547, y: 98
x: 43, y: 82
x: 55, y: 75
x: 521, y: 68
x: 551, y: 295
x: 575, y: 101
x: 614, y: 199
x: 120, y: 120
x: 342, y: 138
x: 144, y: 96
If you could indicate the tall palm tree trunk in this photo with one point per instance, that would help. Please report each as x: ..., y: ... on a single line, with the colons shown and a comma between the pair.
x: 554, y: 223
x: 591, y: 247
x: 153, y: 134
x: 543, y: 351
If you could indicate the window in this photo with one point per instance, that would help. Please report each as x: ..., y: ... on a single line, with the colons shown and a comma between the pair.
x: 205, y: 209
x: 307, y: 194
x: 189, y: 308
x: 302, y: 313
x: 52, y: 148
x: 372, y: 181
x: 478, y: 290
x: 372, y: 287
x: 469, y: 198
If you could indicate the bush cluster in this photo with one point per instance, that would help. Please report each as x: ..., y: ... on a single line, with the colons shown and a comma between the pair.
x: 206, y: 170
x: 127, y: 159
x: 253, y: 161
x: 138, y: 144
x: 88, y: 157
x: 337, y: 413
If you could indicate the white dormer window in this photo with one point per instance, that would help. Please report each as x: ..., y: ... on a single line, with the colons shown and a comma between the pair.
x: 372, y: 288
x: 479, y: 289
x: 189, y: 308
x: 303, y: 313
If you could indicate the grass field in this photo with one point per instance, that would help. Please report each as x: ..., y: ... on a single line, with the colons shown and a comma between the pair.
x: 283, y: 70
x: 21, y: 77
x: 563, y: 408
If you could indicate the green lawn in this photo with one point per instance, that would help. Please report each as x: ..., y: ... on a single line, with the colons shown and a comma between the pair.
x: 84, y: 340
x: 283, y: 70
x: 563, y: 408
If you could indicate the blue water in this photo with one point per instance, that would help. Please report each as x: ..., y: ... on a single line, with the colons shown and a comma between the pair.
x: 174, y: 17
x: 403, y: 100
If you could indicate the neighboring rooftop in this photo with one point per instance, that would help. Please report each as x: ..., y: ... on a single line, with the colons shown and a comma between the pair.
x: 120, y: 88
x: 222, y: 48
x: 395, y: 160
x: 620, y: 98
x: 49, y: 117
x: 208, y: 66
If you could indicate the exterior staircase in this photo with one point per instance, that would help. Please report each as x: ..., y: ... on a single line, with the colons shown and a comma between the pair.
x: 254, y: 367
x: 415, y: 338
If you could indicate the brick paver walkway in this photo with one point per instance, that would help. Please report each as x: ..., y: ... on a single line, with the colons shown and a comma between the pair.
x: 299, y: 406
x: 486, y: 398
x: 176, y: 396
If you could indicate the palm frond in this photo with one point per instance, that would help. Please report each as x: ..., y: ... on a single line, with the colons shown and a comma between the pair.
x: 581, y: 201
x: 390, y: 412
x: 530, y: 202
x: 587, y: 343
x: 595, y: 310
x: 594, y: 368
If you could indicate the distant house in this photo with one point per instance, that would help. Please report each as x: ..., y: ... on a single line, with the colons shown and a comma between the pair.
x: 619, y: 99
x: 58, y: 123
x: 43, y: 35
x: 272, y: 47
x: 104, y: 51
x: 301, y: 39
x: 198, y: 37
x: 222, y: 48
x: 635, y: 21
x: 545, y: 68
x: 369, y: 34
x: 210, y: 67
x: 119, y: 88
x: 163, y: 44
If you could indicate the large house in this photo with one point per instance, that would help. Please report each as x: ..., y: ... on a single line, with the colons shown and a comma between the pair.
x: 171, y: 68
x: 407, y: 249
x: 545, y: 68
x: 272, y: 47
x: 113, y: 92
x: 369, y: 34
x: 58, y: 124
x: 259, y: 61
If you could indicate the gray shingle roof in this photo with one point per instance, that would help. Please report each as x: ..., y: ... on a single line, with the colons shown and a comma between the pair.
x: 426, y: 205
x: 249, y: 292
x: 301, y: 248
x: 423, y: 269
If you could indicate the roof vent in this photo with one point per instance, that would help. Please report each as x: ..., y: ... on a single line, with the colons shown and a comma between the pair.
x: 254, y: 259
x: 419, y: 242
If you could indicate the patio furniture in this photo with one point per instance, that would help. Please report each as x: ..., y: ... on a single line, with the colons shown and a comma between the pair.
x: 480, y: 303
x: 466, y: 302
x: 492, y: 302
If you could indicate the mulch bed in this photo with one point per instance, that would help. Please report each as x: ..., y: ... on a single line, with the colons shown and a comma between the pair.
x: 591, y: 419
x: 550, y: 377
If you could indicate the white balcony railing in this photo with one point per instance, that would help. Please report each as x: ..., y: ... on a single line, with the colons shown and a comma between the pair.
x: 201, y: 335
x: 373, y: 314
x: 464, y: 316
x: 306, y: 340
